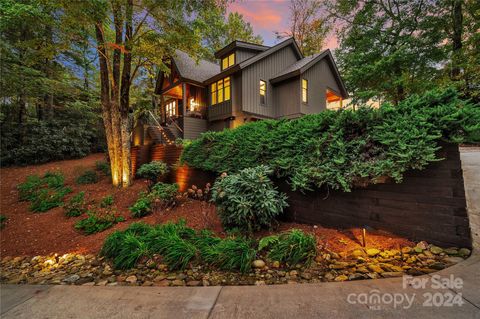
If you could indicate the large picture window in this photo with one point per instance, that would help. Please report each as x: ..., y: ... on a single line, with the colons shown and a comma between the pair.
x: 304, y: 91
x: 263, y: 92
x: 228, y: 61
x: 221, y: 90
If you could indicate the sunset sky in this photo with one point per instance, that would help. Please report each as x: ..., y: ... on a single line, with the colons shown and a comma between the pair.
x: 268, y: 16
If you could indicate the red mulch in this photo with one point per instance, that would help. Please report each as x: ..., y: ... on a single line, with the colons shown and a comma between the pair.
x: 27, y: 233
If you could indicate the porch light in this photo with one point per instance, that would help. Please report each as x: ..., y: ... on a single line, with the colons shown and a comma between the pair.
x: 193, y: 104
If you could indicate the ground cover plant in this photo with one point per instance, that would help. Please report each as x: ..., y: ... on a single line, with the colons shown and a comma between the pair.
x: 290, y: 247
x: 97, y: 221
x: 106, y: 201
x: 160, y: 195
x: 43, y: 193
x: 248, y: 200
x: 103, y: 166
x: 179, y: 246
x: 87, y: 177
x: 76, y: 206
x: 3, y: 220
x: 343, y: 149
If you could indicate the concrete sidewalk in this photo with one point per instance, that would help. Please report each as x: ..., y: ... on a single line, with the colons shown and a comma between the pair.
x: 330, y: 300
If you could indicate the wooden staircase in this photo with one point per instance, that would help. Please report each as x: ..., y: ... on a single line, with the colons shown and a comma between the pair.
x: 161, y: 135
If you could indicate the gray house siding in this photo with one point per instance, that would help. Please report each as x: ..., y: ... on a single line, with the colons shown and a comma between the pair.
x: 193, y: 127
x: 287, y: 98
x: 220, y: 110
x: 242, y: 55
x: 319, y: 77
x: 264, y: 70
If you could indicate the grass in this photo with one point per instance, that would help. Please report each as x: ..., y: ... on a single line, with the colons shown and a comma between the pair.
x: 290, y: 247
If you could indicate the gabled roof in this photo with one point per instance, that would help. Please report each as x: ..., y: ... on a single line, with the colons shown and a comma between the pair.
x: 189, y: 69
x: 258, y: 57
x: 240, y: 44
x: 304, y: 64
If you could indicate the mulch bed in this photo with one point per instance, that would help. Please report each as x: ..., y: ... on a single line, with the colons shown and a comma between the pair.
x: 30, y: 234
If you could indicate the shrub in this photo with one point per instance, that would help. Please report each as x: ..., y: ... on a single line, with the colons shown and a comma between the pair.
x: 142, y: 207
x: 166, y: 193
x: 3, y: 220
x: 46, y: 199
x: 248, y: 199
x: 97, y: 222
x: 234, y: 253
x: 106, y: 201
x: 342, y: 149
x: 179, y: 245
x: 291, y: 247
x: 87, y: 177
x: 152, y: 171
x: 27, y: 189
x: 104, y: 167
x: 76, y: 205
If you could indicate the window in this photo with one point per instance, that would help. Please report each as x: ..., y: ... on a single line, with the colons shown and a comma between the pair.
x: 228, y: 61
x: 221, y: 90
x: 263, y: 91
x: 304, y: 91
x: 171, y: 108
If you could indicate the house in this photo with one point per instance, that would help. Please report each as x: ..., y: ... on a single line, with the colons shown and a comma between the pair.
x: 251, y: 82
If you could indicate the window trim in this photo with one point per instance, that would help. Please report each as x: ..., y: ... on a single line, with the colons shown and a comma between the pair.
x: 219, y: 86
x: 264, y: 92
x: 306, y: 91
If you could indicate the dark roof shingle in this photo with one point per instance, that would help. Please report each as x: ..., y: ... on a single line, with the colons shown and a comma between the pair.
x: 191, y: 70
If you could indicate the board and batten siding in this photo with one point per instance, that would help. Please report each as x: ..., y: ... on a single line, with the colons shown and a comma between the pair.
x: 242, y: 55
x: 264, y: 69
x: 319, y: 77
x: 287, y: 98
x: 193, y: 127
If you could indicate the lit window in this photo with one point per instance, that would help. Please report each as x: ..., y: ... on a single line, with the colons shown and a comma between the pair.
x: 263, y: 91
x: 221, y: 91
x: 228, y: 61
x: 304, y: 91
x: 171, y: 108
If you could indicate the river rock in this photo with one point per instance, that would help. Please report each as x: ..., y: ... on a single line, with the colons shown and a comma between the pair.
x: 258, y: 263
x: 372, y: 252
x: 71, y: 279
x: 375, y: 268
x: 131, y: 279
x: 436, y: 250
x: 391, y: 274
x: 341, y: 278
x: 437, y: 265
x: 464, y: 252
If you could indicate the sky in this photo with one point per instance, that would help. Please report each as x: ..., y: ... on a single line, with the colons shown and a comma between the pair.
x: 268, y: 16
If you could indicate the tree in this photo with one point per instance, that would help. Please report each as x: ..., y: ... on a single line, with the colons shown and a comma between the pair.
x: 131, y: 36
x: 307, y: 26
x: 388, y: 48
x: 218, y: 30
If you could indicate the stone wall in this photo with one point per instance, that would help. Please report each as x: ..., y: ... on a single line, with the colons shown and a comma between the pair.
x: 428, y: 205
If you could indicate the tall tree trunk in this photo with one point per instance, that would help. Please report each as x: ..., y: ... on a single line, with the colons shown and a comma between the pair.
x: 457, y: 21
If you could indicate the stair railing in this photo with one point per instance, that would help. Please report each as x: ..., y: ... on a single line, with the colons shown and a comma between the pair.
x: 175, y: 123
x: 164, y: 133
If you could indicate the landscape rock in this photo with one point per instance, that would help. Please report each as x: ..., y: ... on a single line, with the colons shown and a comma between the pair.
x: 258, y: 263
x: 131, y: 279
x: 372, y: 252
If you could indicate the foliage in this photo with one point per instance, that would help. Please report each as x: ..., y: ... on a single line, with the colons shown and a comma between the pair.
x: 97, y: 221
x: 248, y: 199
x: 391, y: 51
x: 44, y: 193
x: 230, y: 253
x: 3, y: 220
x: 87, y: 177
x: 153, y: 170
x: 179, y: 246
x: 291, y: 247
x: 76, y: 206
x: 106, y: 201
x: 104, y: 167
x: 142, y: 207
x: 307, y: 26
x: 345, y: 148
x: 166, y: 193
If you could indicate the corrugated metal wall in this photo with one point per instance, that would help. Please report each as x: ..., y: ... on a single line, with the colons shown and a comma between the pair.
x: 319, y: 76
x: 264, y: 70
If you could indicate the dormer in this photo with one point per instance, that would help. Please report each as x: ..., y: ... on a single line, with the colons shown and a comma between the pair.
x: 236, y: 52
